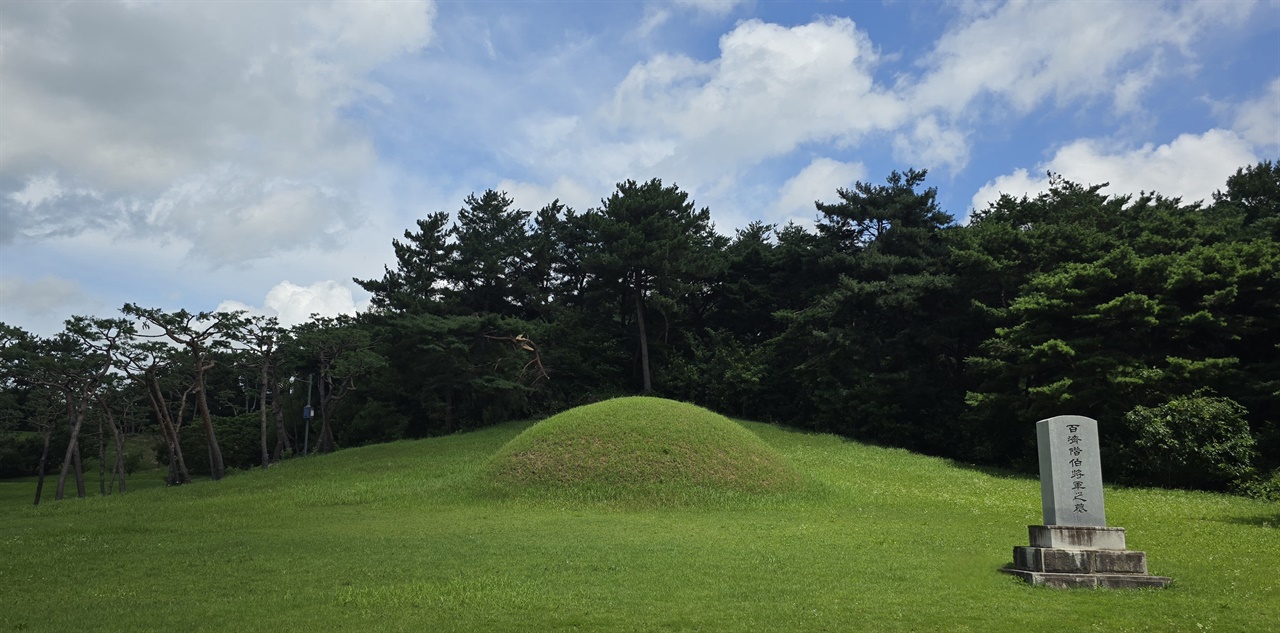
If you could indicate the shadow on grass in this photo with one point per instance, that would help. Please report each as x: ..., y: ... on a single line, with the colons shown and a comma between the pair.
x: 998, y: 472
x: 994, y: 471
x: 1270, y: 519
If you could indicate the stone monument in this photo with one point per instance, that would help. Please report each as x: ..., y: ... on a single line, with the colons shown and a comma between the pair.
x: 1074, y: 547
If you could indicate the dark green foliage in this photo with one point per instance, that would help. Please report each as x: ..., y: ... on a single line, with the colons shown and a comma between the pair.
x: 885, y: 322
x: 373, y: 423
x: 876, y: 352
x: 418, y: 280
x: 1265, y: 487
x: 237, y: 437
x: 491, y: 256
x: 1103, y: 304
x: 722, y: 373
x: 656, y: 254
x: 1195, y: 442
x: 20, y: 452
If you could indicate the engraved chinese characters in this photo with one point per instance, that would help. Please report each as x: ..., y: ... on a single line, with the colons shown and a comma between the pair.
x: 1070, y: 471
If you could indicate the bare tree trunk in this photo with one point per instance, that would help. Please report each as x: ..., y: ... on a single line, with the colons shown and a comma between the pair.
x: 44, y: 456
x: 79, y: 472
x: 102, y: 461
x: 448, y: 408
x: 326, y: 432
x: 170, y: 431
x: 118, y: 442
x: 262, y: 412
x: 162, y: 415
x: 216, y: 467
x: 73, y: 452
x: 326, y: 437
x: 644, y: 336
x: 120, y: 457
x: 283, y: 442
x: 175, y: 427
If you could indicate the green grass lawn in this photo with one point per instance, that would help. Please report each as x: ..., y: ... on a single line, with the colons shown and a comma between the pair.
x: 401, y: 537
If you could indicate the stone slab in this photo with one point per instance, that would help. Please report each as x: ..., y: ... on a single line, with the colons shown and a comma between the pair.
x: 1070, y: 471
x: 1090, y: 581
x: 1109, y: 562
x: 1075, y: 561
x: 1076, y: 537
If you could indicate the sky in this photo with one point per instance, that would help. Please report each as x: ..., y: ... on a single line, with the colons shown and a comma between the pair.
x: 259, y: 155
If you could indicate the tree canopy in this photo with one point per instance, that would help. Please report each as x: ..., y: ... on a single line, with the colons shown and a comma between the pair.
x: 884, y: 321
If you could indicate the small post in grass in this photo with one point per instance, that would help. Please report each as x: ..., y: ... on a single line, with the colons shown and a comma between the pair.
x: 1074, y: 547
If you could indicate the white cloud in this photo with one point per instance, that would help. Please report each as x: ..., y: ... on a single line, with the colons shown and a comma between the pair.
x: 292, y: 304
x: 41, y: 305
x: 654, y: 17
x: 718, y: 8
x: 817, y: 181
x: 657, y: 14
x: 569, y: 192
x: 1258, y: 120
x: 930, y: 145
x: 39, y: 297
x: 219, y: 107
x: 772, y: 89
x: 1027, y: 52
x: 1191, y: 167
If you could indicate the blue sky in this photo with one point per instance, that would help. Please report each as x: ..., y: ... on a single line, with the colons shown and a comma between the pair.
x: 257, y: 155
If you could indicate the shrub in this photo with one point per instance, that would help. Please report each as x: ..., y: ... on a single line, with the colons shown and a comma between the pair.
x: 238, y: 439
x: 1191, y: 442
x: 1263, y: 488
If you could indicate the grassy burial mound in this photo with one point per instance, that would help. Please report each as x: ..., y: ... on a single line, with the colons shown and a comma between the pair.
x: 636, y: 449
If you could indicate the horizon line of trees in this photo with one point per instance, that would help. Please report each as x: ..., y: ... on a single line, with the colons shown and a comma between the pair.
x: 886, y: 322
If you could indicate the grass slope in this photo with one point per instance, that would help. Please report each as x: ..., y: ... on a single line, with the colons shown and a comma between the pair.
x: 395, y: 538
x: 640, y: 450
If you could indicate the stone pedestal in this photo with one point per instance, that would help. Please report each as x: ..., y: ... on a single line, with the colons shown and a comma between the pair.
x: 1074, y: 556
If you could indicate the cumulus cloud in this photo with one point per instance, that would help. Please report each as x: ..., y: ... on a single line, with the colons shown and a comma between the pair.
x: 819, y: 180
x: 1258, y: 120
x: 39, y: 297
x: 703, y: 124
x: 658, y: 13
x: 772, y: 89
x: 1192, y: 166
x: 164, y: 111
x: 292, y: 304
x: 40, y: 305
x: 718, y: 8
x: 1027, y: 52
x: 930, y: 145
x: 569, y: 192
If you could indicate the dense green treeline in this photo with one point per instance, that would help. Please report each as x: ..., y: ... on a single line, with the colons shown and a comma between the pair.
x: 886, y: 321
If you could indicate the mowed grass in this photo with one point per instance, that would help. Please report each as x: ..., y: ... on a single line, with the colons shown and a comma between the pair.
x: 640, y: 451
x: 401, y: 537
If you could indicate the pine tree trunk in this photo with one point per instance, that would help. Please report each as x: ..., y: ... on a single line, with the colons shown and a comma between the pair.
x: 72, y: 453
x: 448, y: 408
x: 262, y: 411
x: 44, y: 457
x: 283, y: 442
x: 216, y: 467
x: 79, y: 467
x: 177, y: 469
x: 644, y: 336
x: 102, y: 461
x: 118, y: 435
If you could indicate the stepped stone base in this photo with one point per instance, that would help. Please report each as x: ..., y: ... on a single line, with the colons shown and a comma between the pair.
x: 1075, y: 537
x: 1070, y: 556
x: 1090, y: 581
